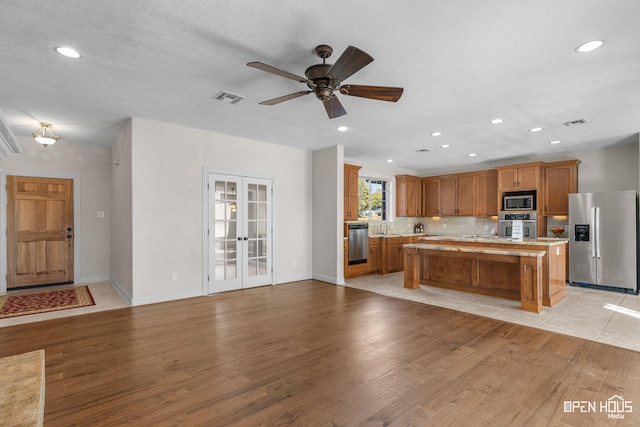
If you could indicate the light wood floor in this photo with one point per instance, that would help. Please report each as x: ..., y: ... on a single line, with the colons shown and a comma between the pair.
x: 309, y: 353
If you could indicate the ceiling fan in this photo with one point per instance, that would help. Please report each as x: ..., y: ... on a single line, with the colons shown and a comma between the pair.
x: 325, y: 79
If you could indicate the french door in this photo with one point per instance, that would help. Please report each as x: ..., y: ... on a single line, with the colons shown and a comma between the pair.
x: 239, y: 232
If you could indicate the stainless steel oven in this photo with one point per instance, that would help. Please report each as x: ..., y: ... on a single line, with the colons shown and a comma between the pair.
x: 529, y: 224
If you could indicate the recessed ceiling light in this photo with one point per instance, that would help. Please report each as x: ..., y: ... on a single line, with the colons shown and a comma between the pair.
x: 554, y: 142
x: 389, y: 160
x: 342, y: 128
x: 436, y: 134
x: 496, y: 121
x: 472, y: 154
x: 68, y: 52
x: 589, y: 46
x: 535, y: 129
x: 445, y: 146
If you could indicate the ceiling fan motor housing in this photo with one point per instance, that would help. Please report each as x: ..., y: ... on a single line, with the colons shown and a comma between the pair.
x: 318, y: 81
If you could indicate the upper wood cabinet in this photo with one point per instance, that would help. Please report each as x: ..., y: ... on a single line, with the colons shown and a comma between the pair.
x: 457, y: 193
x: 486, y: 193
x: 351, y: 192
x: 519, y: 177
x: 431, y: 200
x: 560, y: 179
x: 408, y: 196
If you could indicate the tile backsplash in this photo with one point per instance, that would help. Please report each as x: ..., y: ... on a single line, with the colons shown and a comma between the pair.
x: 481, y: 226
x: 444, y: 225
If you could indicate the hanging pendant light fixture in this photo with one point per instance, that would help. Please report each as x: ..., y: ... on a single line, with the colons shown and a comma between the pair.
x: 45, y: 135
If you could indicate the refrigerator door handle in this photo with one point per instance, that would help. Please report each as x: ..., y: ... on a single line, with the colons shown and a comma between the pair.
x: 593, y: 233
x: 598, y: 232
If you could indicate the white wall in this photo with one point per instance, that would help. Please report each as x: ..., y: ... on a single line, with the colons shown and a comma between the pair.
x: 167, y: 204
x: 90, y: 166
x: 121, y: 273
x: 328, y: 215
x: 609, y: 169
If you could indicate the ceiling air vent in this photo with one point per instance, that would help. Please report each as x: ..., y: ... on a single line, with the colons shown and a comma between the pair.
x: 575, y: 122
x: 422, y: 150
x: 228, y: 97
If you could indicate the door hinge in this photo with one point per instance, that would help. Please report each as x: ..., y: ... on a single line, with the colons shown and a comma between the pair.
x: 207, y: 186
x: 208, y: 278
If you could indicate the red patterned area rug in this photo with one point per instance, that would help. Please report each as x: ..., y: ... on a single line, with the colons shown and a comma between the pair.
x: 46, y: 301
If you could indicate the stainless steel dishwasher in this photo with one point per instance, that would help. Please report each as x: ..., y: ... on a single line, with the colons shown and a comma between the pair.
x: 358, y: 243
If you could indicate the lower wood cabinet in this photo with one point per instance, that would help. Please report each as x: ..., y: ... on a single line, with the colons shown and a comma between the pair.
x: 375, y: 252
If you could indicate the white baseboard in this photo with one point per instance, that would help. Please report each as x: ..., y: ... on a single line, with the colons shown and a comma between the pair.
x: 166, y: 297
x: 293, y: 278
x: 333, y: 280
x: 93, y: 279
x: 121, y: 290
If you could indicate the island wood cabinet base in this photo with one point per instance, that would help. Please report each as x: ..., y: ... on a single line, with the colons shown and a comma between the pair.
x: 510, y: 275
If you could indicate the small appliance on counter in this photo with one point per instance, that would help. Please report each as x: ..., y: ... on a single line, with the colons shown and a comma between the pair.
x: 603, y: 240
x: 418, y: 228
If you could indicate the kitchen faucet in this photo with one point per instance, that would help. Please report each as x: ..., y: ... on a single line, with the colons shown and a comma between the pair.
x: 386, y: 227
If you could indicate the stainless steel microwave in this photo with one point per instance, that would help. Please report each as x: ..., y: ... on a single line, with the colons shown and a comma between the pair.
x: 523, y: 202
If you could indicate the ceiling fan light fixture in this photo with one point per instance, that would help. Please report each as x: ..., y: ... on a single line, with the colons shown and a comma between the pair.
x: 45, y: 135
x: 590, y: 46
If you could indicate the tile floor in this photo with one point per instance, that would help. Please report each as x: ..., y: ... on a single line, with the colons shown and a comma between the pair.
x: 603, y: 316
x: 104, y: 295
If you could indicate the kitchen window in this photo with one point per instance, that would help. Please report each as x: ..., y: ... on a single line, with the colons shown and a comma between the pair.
x: 372, y: 199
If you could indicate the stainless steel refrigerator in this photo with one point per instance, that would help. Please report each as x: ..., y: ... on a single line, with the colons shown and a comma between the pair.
x: 603, y: 240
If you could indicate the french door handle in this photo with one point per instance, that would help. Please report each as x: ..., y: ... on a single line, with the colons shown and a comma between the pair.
x: 239, y: 239
x: 245, y: 238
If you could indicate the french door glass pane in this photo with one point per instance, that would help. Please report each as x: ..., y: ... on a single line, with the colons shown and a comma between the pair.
x: 257, y: 229
x: 225, y: 230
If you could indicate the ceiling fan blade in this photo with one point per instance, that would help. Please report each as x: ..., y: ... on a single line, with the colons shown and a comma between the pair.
x: 351, y: 60
x: 278, y: 71
x: 334, y: 107
x: 280, y: 99
x: 382, y: 93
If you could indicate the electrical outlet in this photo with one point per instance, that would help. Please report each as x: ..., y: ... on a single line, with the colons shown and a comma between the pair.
x: 444, y: 226
x: 174, y: 277
x: 486, y: 227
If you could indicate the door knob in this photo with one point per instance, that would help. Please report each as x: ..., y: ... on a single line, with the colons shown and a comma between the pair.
x: 69, y: 236
x: 69, y: 228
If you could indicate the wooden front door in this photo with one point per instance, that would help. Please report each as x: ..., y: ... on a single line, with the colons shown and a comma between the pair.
x: 39, y: 231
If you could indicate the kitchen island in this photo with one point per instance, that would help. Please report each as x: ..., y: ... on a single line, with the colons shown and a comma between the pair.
x: 532, y: 271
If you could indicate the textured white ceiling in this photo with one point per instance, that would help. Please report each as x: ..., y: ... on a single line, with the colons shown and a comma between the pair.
x: 461, y: 63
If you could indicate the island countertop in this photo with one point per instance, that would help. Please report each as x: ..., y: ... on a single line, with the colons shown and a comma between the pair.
x: 540, y: 241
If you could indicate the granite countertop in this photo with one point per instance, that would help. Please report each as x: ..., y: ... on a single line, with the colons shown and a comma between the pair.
x: 472, y: 249
x: 397, y: 235
x: 541, y: 241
